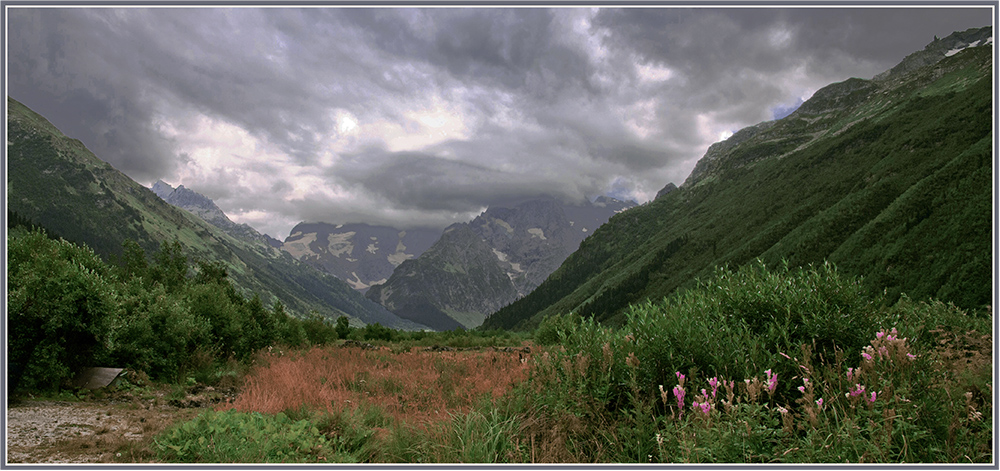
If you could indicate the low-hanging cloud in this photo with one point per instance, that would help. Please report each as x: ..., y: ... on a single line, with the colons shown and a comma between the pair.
x: 425, y: 116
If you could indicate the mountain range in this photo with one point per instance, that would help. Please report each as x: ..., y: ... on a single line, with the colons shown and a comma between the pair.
x: 56, y: 182
x: 360, y: 254
x: 503, y: 254
x: 478, y: 267
x: 887, y: 178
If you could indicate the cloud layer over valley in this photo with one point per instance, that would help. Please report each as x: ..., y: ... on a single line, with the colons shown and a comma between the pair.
x: 424, y: 116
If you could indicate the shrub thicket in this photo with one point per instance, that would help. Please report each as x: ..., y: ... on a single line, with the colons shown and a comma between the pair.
x: 762, y: 365
x: 68, y: 309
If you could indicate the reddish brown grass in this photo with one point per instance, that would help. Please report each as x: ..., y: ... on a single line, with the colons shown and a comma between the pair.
x: 415, y: 387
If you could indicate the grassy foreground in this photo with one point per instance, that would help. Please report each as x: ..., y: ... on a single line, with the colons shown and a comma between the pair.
x: 754, y: 365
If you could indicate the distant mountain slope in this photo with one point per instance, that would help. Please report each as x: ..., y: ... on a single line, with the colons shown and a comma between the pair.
x: 450, y: 285
x: 55, y: 181
x: 480, y: 266
x: 206, y: 209
x: 887, y: 178
x: 359, y: 254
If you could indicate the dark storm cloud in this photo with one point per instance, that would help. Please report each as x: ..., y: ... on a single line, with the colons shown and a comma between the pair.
x: 415, y: 116
x: 413, y: 180
x: 72, y: 81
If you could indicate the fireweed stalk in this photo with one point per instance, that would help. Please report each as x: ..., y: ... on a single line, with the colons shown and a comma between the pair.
x: 679, y: 394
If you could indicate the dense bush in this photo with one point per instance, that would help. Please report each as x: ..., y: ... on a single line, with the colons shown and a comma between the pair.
x: 62, y: 303
x: 762, y: 365
x: 736, y: 322
x: 69, y: 309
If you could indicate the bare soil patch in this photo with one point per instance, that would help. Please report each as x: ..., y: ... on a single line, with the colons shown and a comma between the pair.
x: 112, y: 429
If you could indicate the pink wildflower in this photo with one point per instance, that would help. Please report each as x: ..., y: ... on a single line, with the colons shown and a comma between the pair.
x: 911, y: 356
x: 850, y: 374
x: 880, y: 334
x: 772, y: 381
x: 679, y: 393
x: 872, y: 400
x: 714, y: 383
x: 802, y: 389
x: 858, y: 390
x: 866, y: 356
x: 819, y: 402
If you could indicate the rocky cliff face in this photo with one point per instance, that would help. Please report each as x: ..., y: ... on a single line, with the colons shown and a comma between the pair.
x: 478, y: 267
x: 360, y: 254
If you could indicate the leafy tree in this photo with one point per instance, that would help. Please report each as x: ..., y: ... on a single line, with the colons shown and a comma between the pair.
x: 290, y: 329
x: 60, y: 308
x: 317, y: 330
x: 211, y: 272
x: 343, y: 327
x: 133, y: 261
x: 171, y: 267
x: 260, y: 326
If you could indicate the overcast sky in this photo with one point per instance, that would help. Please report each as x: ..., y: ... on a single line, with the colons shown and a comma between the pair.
x: 409, y: 117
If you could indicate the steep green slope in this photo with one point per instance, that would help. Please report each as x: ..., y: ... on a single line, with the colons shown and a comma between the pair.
x: 888, y: 179
x: 56, y: 182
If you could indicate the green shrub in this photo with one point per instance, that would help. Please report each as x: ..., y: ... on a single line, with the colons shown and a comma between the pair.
x: 68, y: 309
x: 553, y: 329
x: 735, y: 324
x: 61, y: 305
x: 343, y: 327
x: 852, y: 380
x: 318, y: 331
x: 237, y: 437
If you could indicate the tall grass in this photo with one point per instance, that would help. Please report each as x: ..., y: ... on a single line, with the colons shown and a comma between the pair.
x: 415, y: 387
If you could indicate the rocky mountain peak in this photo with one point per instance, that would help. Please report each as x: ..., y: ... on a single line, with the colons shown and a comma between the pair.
x: 162, y: 189
x: 938, y: 50
x: 203, y: 207
x: 666, y: 189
